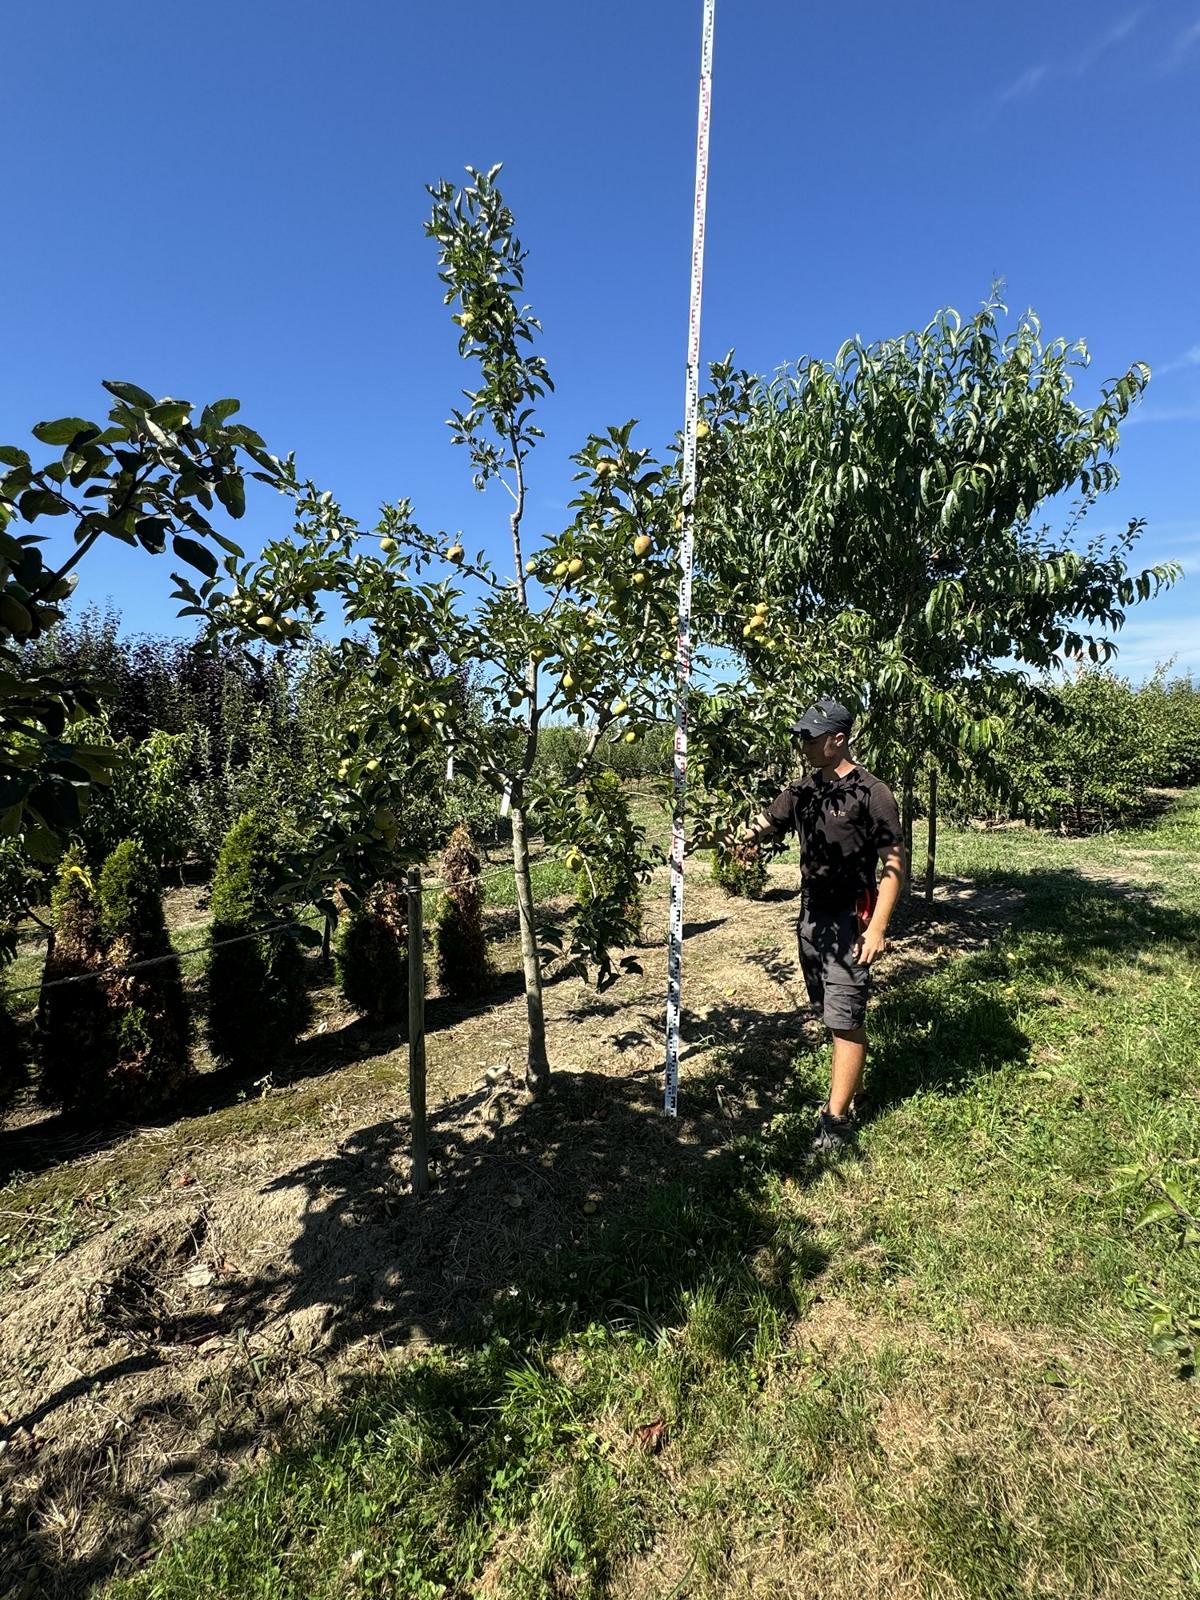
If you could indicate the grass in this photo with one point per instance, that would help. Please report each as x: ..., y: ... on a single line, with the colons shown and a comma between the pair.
x: 960, y: 1365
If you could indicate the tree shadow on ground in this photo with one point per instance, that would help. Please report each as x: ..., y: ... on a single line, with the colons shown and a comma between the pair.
x: 64, y: 1136
x: 588, y: 1207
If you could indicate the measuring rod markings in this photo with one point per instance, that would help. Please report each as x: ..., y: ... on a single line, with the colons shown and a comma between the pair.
x: 683, y: 657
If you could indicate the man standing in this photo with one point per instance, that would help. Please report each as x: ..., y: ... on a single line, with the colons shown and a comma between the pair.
x: 847, y: 822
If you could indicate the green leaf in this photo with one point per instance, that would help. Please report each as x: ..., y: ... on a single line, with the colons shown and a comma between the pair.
x: 219, y: 411
x: 14, y: 786
x: 196, y: 555
x: 1156, y: 1211
x: 171, y: 414
x: 41, y: 503
x: 1175, y: 1192
x: 12, y: 457
x: 231, y: 492
x: 130, y: 393
x: 63, y: 430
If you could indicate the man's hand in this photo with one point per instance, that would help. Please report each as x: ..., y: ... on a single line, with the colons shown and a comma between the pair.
x: 873, y: 943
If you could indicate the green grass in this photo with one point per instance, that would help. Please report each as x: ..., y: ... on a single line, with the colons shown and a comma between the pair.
x: 960, y: 1365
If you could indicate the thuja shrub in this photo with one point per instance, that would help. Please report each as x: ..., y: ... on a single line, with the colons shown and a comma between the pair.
x: 148, y: 1012
x: 463, y: 967
x: 741, y: 870
x: 371, y: 953
x: 608, y: 879
x: 74, y: 1036
x: 257, y: 998
x: 12, y: 1051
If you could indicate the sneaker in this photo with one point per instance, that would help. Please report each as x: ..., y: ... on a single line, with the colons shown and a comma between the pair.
x: 831, y: 1136
x: 860, y: 1108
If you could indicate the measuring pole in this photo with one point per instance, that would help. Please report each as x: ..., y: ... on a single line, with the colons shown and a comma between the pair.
x: 683, y: 653
x: 418, y: 1123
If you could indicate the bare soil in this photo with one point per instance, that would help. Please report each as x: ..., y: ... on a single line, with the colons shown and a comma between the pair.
x: 218, y: 1280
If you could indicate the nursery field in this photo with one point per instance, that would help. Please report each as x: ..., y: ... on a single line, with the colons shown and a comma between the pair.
x: 610, y: 1354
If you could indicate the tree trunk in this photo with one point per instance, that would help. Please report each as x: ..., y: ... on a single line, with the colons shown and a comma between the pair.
x: 907, y: 806
x: 931, y: 849
x: 537, y: 1067
x: 41, y: 1005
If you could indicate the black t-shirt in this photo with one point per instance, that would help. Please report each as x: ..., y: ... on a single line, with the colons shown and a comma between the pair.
x: 842, y: 825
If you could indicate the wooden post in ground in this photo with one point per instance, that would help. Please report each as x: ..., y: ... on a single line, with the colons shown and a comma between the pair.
x: 416, y: 1036
x: 931, y: 849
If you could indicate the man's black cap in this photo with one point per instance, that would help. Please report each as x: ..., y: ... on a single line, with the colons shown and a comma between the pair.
x: 825, y: 716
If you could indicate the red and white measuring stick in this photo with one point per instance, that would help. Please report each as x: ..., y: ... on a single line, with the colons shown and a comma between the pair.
x: 683, y: 657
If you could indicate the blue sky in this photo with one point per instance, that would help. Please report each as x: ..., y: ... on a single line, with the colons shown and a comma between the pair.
x: 228, y: 199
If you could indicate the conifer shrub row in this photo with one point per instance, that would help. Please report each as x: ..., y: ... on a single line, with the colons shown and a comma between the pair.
x: 111, y: 1040
x: 258, y: 1001
x: 113, y: 1030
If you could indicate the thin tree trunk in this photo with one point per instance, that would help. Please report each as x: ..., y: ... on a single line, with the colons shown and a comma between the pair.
x: 537, y: 1067
x: 907, y: 806
x: 931, y: 849
x: 41, y: 1005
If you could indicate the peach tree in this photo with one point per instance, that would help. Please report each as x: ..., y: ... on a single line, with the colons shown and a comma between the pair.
x: 892, y: 512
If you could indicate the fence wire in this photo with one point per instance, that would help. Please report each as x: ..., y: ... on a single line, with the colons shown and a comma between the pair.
x: 430, y: 886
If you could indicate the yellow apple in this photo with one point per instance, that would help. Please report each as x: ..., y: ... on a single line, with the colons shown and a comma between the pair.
x: 603, y: 468
x: 620, y: 707
x: 560, y: 570
x: 757, y: 621
x: 455, y: 554
x: 641, y: 545
x: 702, y: 429
x: 388, y: 545
x: 761, y: 609
x: 530, y: 567
x: 568, y: 681
x: 639, y: 580
x: 574, y: 567
x: 631, y: 737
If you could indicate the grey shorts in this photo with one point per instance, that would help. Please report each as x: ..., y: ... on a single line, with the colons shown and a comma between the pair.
x: 838, y: 985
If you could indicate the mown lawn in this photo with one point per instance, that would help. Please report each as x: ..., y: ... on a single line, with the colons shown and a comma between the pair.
x: 959, y: 1365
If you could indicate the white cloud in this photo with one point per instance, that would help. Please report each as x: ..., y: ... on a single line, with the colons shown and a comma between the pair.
x: 1143, y: 643
x: 1148, y: 414
x: 1034, y: 77
x: 1189, y: 358
x: 1113, y: 36
x: 1024, y: 85
x: 1183, y: 46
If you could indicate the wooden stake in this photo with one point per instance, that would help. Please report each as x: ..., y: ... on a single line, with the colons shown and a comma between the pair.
x: 416, y: 1036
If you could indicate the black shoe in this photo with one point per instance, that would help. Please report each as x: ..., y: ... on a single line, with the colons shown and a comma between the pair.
x: 861, y: 1108
x: 831, y: 1136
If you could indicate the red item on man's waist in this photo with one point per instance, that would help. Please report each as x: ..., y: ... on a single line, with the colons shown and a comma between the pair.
x: 865, y: 906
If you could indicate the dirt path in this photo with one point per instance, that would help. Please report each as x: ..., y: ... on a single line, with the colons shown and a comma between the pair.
x: 231, y: 1272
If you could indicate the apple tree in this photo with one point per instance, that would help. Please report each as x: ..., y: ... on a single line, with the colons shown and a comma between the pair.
x: 580, y: 626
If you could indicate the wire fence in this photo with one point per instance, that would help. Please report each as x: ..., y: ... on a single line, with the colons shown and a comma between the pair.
x: 429, y: 886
